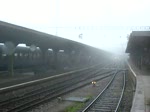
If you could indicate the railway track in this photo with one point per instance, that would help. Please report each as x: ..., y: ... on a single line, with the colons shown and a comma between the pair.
x: 38, y: 96
x: 43, y: 80
x: 110, y: 98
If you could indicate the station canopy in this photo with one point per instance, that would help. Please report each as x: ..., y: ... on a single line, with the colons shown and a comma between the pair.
x: 139, y: 42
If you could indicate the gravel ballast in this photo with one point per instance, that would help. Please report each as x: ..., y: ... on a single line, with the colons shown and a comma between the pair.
x: 87, y: 91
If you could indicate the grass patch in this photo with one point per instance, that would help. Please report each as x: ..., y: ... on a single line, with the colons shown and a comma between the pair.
x: 89, y: 97
x: 74, y: 108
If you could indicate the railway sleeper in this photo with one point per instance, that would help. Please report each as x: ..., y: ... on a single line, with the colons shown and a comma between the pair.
x: 106, y: 104
x: 100, y: 110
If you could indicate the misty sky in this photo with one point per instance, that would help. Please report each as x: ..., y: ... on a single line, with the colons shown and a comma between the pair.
x: 74, y: 17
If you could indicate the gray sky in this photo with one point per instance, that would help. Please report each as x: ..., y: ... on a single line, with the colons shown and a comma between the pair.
x: 80, y: 17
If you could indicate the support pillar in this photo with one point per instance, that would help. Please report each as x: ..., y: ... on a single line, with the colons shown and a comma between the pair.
x: 69, y: 58
x: 44, y: 50
x: 55, y: 58
x: 141, y: 61
x: 9, y: 48
x: 0, y: 55
x: 11, y: 64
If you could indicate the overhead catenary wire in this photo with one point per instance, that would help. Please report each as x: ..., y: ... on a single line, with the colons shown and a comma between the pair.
x: 132, y: 28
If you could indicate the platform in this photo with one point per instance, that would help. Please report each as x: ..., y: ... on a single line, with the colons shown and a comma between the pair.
x: 76, y: 99
x: 141, y: 102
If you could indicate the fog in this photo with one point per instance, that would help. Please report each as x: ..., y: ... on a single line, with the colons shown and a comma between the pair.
x: 104, y: 24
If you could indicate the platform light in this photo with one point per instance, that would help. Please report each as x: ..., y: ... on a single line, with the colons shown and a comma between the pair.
x: 9, y: 48
x: 16, y: 54
x: 61, y: 50
x: 72, y: 52
x: 50, y: 49
x: 33, y: 48
x: 21, y: 45
x: 4, y: 55
x: 38, y: 48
